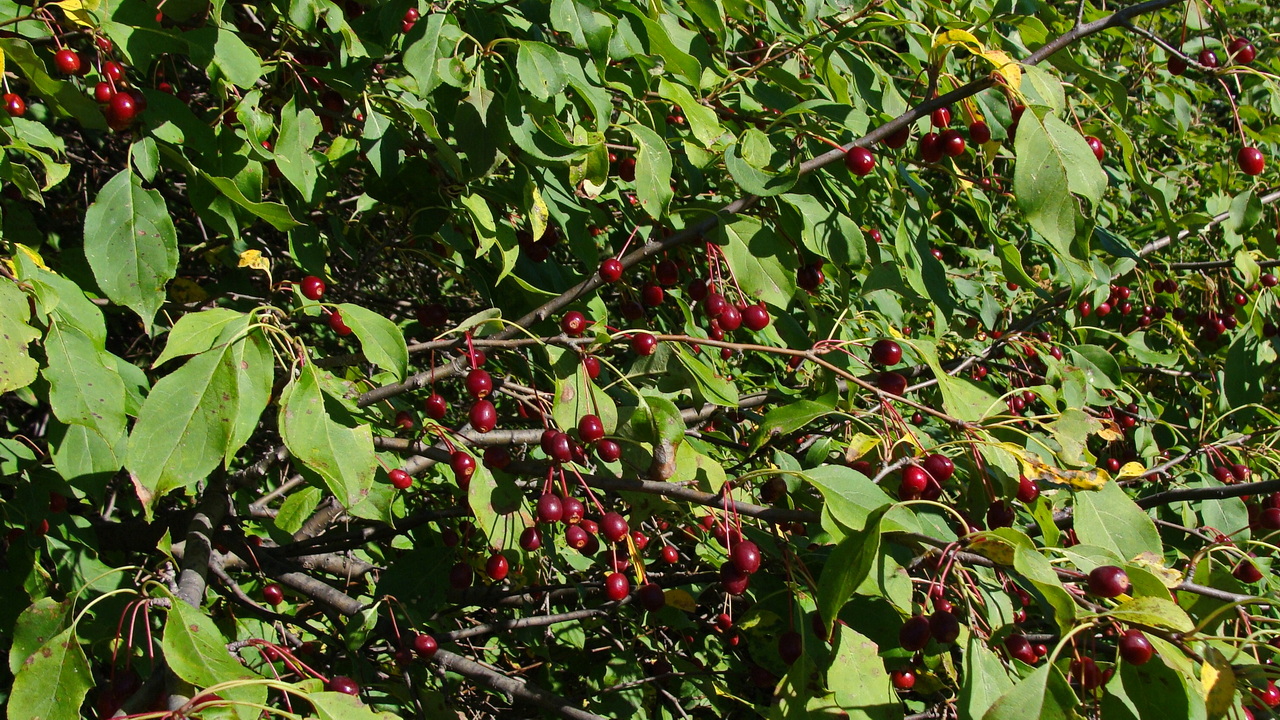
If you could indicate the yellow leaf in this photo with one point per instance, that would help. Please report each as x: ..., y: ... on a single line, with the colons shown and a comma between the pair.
x: 538, y: 212
x: 860, y: 445
x: 1039, y: 471
x: 32, y: 254
x: 1154, y: 564
x: 1131, y: 470
x: 80, y: 12
x: 1217, y: 683
x: 959, y: 37
x: 254, y: 259
x: 186, y: 290
x: 1110, y: 431
x: 1009, y: 69
x: 680, y: 599
x: 992, y: 547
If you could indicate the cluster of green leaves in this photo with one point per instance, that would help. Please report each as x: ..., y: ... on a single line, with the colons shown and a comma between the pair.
x: 475, y: 162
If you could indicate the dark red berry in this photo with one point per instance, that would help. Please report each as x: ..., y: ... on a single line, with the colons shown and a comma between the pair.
x: 745, y: 555
x: 483, y: 416
x: 14, y: 105
x: 616, y: 586
x: 611, y: 270
x: 940, y: 467
x: 1135, y: 648
x: 425, y: 646
x: 860, y: 161
x: 67, y: 61
x: 915, y: 633
x: 1108, y: 581
x: 790, y: 647
x: 273, y: 594
x: 497, y: 566
x: 343, y: 684
x: 312, y: 287
x: 644, y: 344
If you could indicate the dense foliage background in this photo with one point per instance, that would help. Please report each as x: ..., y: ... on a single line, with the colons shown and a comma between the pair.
x: 716, y: 358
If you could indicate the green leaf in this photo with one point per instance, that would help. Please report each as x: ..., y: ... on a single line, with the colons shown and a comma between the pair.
x: 847, y: 566
x: 1109, y: 518
x: 420, y: 57
x: 340, y: 706
x: 786, y: 419
x: 297, y: 507
x: 200, y: 414
x: 130, y: 243
x: 381, y: 340
x: 985, y: 678
x: 52, y: 682
x: 755, y: 179
x: 293, y: 154
x: 40, y: 622
x: 1030, y: 564
x: 577, y: 395
x: 498, y: 505
x: 711, y: 387
x: 274, y: 213
x: 703, y: 121
x: 1153, y: 612
x: 850, y: 497
x: 234, y: 60
x: 341, y: 454
x: 1159, y: 692
x: 1043, y: 694
x: 763, y: 263
x: 1042, y: 182
x: 196, y: 332
x: 84, y: 387
x: 196, y: 651
x: 17, y: 369
x: 857, y: 678
x: 541, y: 70
x: 653, y: 170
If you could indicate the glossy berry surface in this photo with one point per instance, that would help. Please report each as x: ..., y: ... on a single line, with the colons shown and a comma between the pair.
x: 902, y: 679
x: 886, y: 353
x: 1135, y: 648
x: 400, y: 479
x: 425, y: 646
x: 343, y: 684
x: 745, y: 556
x: 1251, y: 161
x: 67, y: 61
x: 611, y: 270
x: 273, y: 594
x: 860, y: 161
x: 915, y: 633
x: 497, y: 566
x: 616, y: 586
x: 14, y: 105
x: 1108, y: 581
x: 483, y: 416
x: 312, y: 287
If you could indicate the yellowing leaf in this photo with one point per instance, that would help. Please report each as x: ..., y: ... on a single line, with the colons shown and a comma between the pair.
x: 680, y: 599
x: 254, y: 259
x: 35, y: 256
x: 959, y: 37
x: 186, y: 290
x: 81, y: 12
x: 538, y: 212
x: 1004, y: 65
x: 1217, y: 683
x: 1131, y: 470
x: 1039, y: 471
x: 1111, y: 432
x: 996, y: 549
x: 860, y: 445
x: 1008, y: 69
x: 1154, y: 564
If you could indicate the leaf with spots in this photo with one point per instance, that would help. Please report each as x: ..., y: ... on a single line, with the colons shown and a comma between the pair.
x: 45, y: 618
x: 130, y: 243
x: 52, y: 682
x: 340, y: 453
